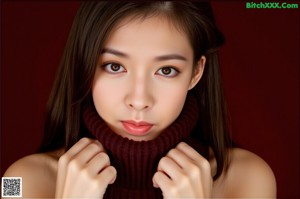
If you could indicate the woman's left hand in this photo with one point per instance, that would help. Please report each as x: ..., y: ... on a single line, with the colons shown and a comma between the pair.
x: 183, y: 173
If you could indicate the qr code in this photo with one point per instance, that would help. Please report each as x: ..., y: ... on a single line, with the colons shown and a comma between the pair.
x: 11, y: 187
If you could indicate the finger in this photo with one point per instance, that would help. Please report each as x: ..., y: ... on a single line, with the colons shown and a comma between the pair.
x: 160, y: 180
x: 98, y: 163
x: 77, y: 147
x: 64, y: 160
x: 190, y: 169
x: 107, y: 176
x: 87, y: 153
x: 181, y: 159
x: 198, y: 159
x: 170, y: 168
x: 73, y: 151
x: 189, y: 152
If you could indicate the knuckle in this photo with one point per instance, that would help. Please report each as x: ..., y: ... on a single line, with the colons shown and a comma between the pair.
x: 155, y: 176
x: 111, y: 171
x: 194, y: 171
x: 173, y: 191
x: 74, y: 165
x: 98, y: 143
x: 94, y: 147
x: 108, y: 173
x: 85, y: 140
x: 63, y: 160
x: 205, y: 165
x: 172, y: 152
x: 164, y: 161
x: 185, y: 180
x: 104, y: 157
x: 85, y: 173
x: 96, y: 183
x: 181, y: 144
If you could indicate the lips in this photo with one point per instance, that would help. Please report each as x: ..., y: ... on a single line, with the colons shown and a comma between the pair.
x: 137, y: 128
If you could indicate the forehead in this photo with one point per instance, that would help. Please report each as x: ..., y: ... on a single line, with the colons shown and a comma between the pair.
x: 150, y: 33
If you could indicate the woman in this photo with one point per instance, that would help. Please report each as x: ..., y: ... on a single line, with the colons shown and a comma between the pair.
x: 137, y: 111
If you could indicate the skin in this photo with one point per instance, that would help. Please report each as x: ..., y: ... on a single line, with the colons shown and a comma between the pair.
x: 85, y: 171
x: 146, y: 79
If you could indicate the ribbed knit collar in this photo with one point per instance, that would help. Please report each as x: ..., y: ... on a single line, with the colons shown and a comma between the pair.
x: 136, y: 161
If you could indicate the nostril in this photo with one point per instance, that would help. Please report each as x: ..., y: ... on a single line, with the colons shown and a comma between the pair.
x: 138, y: 107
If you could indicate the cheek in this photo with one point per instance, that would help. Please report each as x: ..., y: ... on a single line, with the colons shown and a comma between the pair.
x: 172, y: 101
x: 105, y: 96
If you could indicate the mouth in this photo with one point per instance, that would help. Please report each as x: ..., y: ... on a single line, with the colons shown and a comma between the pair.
x: 137, y: 128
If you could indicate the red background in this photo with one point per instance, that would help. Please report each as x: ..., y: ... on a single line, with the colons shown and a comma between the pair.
x: 260, y: 65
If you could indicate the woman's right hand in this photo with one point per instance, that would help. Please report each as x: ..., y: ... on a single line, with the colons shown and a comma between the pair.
x: 84, y: 171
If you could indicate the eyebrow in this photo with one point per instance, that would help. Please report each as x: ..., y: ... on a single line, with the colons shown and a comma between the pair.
x: 158, y: 58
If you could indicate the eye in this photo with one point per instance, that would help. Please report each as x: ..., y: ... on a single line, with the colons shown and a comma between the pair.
x: 168, y: 71
x: 113, y: 68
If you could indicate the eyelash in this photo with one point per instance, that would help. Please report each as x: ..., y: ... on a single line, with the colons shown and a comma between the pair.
x: 109, y: 70
x: 173, y: 70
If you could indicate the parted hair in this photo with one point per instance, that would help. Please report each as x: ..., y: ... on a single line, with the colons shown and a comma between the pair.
x: 92, y: 25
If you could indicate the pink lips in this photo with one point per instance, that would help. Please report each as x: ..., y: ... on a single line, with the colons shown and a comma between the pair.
x: 137, y: 128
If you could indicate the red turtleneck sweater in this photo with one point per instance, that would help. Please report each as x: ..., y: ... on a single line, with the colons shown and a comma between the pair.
x: 136, y: 161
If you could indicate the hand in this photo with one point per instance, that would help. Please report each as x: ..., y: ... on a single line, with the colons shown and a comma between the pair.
x: 84, y: 171
x: 183, y: 173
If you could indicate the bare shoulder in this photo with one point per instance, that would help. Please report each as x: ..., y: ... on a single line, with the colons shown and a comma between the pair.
x: 38, y: 172
x: 248, y: 176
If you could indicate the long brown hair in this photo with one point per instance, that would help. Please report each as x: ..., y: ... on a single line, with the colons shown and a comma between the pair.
x: 92, y: 25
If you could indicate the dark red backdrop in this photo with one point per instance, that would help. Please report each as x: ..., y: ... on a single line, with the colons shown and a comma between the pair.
x: 260, y: 64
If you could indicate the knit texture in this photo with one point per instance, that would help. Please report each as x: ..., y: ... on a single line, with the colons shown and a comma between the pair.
x: 137, y: 161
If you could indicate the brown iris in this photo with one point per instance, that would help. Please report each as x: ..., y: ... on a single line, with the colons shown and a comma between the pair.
x: 166, y: 70
x: 115, y: 67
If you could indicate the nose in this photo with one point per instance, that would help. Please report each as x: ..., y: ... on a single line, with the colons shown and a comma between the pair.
x: 139, y: 95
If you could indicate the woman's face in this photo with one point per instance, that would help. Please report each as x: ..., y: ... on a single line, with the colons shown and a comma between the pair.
x: 143, y: 76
